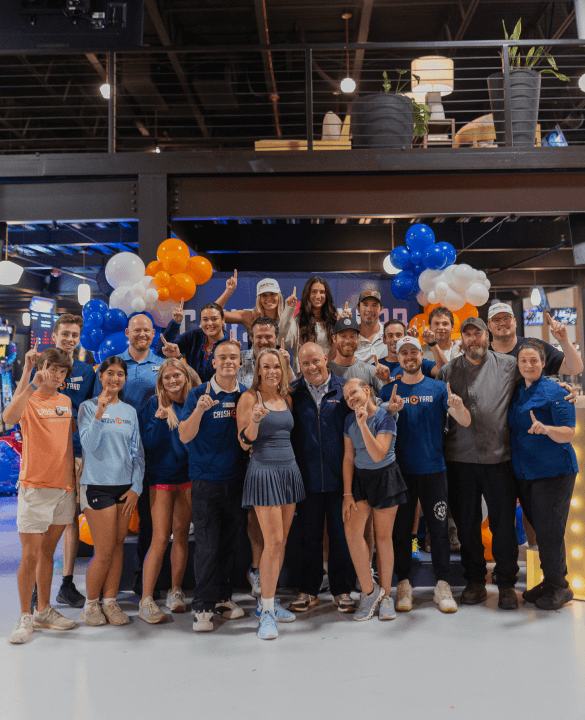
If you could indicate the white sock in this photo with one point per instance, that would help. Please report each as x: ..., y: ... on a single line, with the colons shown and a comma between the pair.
x: 326, y: 565
x: 109, y: 600
x: 268, y: 604
x: 88, y: 602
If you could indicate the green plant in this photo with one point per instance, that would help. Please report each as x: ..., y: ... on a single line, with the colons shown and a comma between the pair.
x: 422, y: 112
x: 532, y: 56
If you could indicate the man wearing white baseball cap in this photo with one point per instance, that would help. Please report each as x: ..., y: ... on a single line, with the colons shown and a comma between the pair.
x: 502, y: 325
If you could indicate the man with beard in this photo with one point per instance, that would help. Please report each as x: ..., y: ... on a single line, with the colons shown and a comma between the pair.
x: 441, y: 323
x: 345, y: 363
x: 371, y: 335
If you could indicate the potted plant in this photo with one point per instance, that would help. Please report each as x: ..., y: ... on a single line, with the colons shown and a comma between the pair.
x: 388, y: 119
x: 524, y: 92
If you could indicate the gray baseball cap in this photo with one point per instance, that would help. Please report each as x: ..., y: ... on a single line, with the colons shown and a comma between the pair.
x: 476, y: 322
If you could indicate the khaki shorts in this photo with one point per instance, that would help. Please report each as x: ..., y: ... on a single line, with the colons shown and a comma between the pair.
x: 39, y: 508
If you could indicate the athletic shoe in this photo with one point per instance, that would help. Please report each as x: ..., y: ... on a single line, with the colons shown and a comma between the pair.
x: 473, y: 593
x: 534, y: 593
x: 454, y: 543
x: 23, y: 629
x: 203, y: 621
x: 444, y: 598
x: 416, y: 556
x: 368, y: 604
x: 303, y: 602
x: 404, y: 596
x: 114, y: 614
x: 176, y: 600
x: 34, y: 600
x: 229, y: 610
x: 324, y: 583
x: 150, y: 612
x: 282, y: 614
x: 51, y: 619
x: 267, y: 629
x: 386, y: 611
x: 254, y: 580
x: 507, y: 600
x: 69, y: 595
x: 345, y: 603
x: 92, y: 613
x: 554, y: 598
x: 428, y: 543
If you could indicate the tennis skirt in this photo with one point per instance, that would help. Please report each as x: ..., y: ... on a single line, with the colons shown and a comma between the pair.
x: 267, y: 485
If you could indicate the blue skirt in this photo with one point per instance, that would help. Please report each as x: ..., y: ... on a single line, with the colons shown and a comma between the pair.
x: 280, y: 484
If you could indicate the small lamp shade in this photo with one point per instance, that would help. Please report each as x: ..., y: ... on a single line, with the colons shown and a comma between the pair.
x: 83, y: 293
x: 26, y: 319
x: 419, y: 98
x: 10, y: 273
x: 435, y: 73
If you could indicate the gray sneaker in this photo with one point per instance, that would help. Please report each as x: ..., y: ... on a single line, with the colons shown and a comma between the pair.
x: 368, y: 604
x: 23, y: 629
x: 387, y: 611
x: 50, y: 618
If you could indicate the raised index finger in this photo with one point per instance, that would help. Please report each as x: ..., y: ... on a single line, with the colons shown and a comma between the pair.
x: 548, y: 317
x: 208, y: 389
x: 532, y: 416
x: 295, y: 291
x: 36, y: 347
x: 182, y: 303
x: 164, y: 341
x: 235, y: 274
x: 394, y: 391
x: 259, y: 397
x: 449, y: 388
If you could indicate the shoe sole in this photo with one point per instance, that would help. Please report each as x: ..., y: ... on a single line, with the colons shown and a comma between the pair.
x: 465, y: 601
x: 177, y: 609
x: 268, y: 636
x: 48, y: 626
x: 197, y: 628
x: 64, y: 601
x: 383, y: 618
x: 117, y: 624
x: 294, y: 608
x: 153, y: 622
x: 345, y: 609
x: 403, y: 608
x: 229, y: 616
x: 447, y: 611
x: 372, y: 609
x: 93, y: 624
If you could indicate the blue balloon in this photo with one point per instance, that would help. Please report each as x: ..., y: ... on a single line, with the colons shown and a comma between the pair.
x: 435, y: 257
x: 402, y: 284
x: 94, y: 320
x: 115, y: 320
x: 414, y: 290
x: 87, y: 343
x: 400, y: 257
x: 98, y: 336
x: 416, y: 257
x: 419, y: 237
x: 417, y: 269
x: 114, y: 344
x: 450, y: 252
x: 154, y: 343
x: 95, y: 305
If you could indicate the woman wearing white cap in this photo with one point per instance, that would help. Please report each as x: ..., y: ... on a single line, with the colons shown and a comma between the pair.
x: 269, y: 303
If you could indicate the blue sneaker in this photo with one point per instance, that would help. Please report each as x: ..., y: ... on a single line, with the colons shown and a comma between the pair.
x: 254, y: 580
x: 267, y: 629
x: 281, y: 614
x: 368, y: 604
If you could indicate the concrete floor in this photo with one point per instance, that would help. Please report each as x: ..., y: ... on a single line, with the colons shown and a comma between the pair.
x: 478, y: 663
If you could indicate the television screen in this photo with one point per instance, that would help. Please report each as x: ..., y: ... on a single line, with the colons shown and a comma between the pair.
x: 42, y: 305
x: 41, y: 327
x: 567, y: 316
x: 533, y: 316
x: 554, y: 138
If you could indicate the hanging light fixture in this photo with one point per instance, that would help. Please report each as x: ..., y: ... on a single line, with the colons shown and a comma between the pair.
x: 535, y: 298
x: 10, y: 272
x: 83, y: 289
x: 105, y: 91
x: 348, y: 84
x: 26, y: 319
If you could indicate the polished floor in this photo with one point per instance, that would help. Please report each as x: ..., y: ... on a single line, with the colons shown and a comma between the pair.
x: 478, y: 663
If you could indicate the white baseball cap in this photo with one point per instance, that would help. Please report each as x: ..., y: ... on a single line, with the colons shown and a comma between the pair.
x: 499, y: 308
x: 267, y: 285
x: 407, y: 340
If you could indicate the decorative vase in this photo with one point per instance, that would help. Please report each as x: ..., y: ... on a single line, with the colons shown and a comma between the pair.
x: 524, y: 101
x: 384, y: 120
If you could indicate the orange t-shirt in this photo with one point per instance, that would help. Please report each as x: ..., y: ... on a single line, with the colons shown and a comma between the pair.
x: 47, y: 443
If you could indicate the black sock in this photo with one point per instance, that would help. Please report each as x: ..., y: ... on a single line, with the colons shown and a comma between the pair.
x: 67, y: 580
x: 371, y: 593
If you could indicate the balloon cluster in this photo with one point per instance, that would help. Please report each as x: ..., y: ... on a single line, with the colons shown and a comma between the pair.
x: 454, y: 287
x: 420, y: 254
x: 103, y: 329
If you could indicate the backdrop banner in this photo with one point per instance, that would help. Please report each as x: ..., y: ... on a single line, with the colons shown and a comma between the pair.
x: 345, y: 287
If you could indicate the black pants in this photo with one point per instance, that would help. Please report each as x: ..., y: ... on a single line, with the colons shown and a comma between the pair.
x: 145, y: 528
x: 546, y: 503
x: 497, y: 483
x: 311, y: 514
x: 431, y: 489
x: 218, y: 518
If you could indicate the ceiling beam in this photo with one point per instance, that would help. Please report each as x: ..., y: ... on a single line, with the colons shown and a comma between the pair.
x: 261, y: 14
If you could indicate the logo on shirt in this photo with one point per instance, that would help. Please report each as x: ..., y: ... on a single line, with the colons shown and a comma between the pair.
x: 440, y: 510
x: 415, y: 399
x: 395, y: 378
x: 61, y: 410
x: 218, y: 414
x: 117, y: 421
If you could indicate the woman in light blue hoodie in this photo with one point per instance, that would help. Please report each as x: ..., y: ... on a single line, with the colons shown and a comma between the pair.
x: 111, y: 482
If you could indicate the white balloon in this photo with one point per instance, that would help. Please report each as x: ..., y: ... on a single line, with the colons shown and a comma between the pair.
x: 477, y: 294
x: 138, y: 290
x: 453, y: 301
x: 479, y: 276
x: 162, y: 312
x: 122, y: 298
x: 125, y: 268
x: 427, y: 279
x: 422, y: 298
x: 148, y: 282
x: 447, y: 273
x: 487, y: 283
x: 432, y: 298
x: 151, y: 296
x: 441, y: 289
x: 138, y: 304
x: 463, y: 276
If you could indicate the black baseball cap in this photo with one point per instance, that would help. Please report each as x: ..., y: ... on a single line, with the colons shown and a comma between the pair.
x: 346, y: 324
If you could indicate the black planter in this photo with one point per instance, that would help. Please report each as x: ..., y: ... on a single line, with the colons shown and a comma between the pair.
x: 524, y: 99
x: 382, y: 121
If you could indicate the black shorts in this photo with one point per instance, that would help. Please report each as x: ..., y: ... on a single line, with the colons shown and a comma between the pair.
x: 382, y: 488
x: 99, y: 497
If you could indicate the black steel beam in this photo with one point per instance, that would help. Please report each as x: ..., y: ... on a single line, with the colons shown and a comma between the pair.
x: 152, y: 214
x: 65, y: 236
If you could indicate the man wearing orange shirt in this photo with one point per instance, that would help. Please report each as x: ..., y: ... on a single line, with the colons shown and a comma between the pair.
x: 46, y: 496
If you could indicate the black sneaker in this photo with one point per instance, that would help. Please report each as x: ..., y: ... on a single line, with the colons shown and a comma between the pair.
x: 507, y: 600
x: 473, y: 593
x: 534, y: 593
x: 554, y: 598
x: 34, y: 600
x: 70, y: 595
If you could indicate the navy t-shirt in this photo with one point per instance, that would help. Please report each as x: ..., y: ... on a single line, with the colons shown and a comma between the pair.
x: 396, y: 371
x: 166, y: 455
x: 553, y: 357
x: 215, y: 453
x: 419, y: 435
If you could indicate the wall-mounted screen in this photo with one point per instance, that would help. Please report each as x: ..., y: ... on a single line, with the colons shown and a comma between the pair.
x: 41, y: 328
x: 533, y: 316
x: 567, y: 316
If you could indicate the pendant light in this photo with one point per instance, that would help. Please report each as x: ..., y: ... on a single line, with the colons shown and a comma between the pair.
x: 348, y: 84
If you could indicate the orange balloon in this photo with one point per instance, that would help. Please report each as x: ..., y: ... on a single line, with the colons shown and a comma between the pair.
x: 429, y: 308
x: 200, y: 269
x: 175, y: 262
x: 184, y: 285
x: 468, y: 310
x: 163, y: 293
x: 84, y: 533
x: 162, y: 279
x: 172, y: 245
x: 153, y: 267
x: 134, y: 521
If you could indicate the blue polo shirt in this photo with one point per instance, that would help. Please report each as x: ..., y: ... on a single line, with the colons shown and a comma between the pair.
x: 215, y: 454
x: 166, y: 455
x: 419, y: 437
x: 537, y: 456
x: 141, y: 380
x: 380, y: 422
x: 192, y: 346
x: 396, y: 371
x: 79, y: 387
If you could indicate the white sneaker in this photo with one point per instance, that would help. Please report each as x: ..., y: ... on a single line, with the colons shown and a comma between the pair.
x: 50, y: 618
x: 92, y: 614
x: 176, y: 600
x: 404, y: 596
x: 444, y: 598
x: 150, y: 612
x: 23, y: 629
x: 229, y: 610
x: 203, y: 621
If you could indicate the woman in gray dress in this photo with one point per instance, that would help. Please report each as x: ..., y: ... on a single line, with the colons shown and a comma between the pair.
x: 273, y: 483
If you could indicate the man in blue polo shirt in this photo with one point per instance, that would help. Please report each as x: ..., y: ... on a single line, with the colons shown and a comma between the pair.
x: 217, y: 465
x: 421, y: 403
x: 388, y: 369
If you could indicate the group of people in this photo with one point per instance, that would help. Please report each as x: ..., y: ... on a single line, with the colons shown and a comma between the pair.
x: 349, y: 425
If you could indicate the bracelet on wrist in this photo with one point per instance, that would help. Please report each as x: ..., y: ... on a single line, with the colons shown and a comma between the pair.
x: 256, y: 423
x: 432, y: 344
x: 344, y: 494
x: 33, y: 386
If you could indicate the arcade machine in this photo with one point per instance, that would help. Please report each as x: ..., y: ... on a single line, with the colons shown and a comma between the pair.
x: 10, y: 445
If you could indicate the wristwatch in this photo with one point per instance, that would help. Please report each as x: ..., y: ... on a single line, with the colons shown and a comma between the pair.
x: 432, y: 344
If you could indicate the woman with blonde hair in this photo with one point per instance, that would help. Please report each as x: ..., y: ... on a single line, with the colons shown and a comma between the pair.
x: 273, y: 483
x: 170, y: 488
